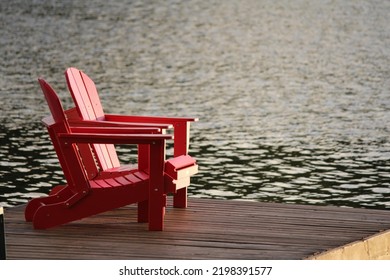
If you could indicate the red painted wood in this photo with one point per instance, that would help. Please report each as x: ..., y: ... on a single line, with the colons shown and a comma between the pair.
x: 71, y: 164
x: 116, y: 130
x: 84, y: 93
x: 157, y: 196
x: 76, y: 121
x: 147, y: 119
x: 142, y: 175
x: 96, y: 181
x: 80, y: 84
x: 132, y: 178
x: 77, y: 85
x: 179, y: 167
x: 182, y: 134
x: 122, y: 181
x: 143, y: 211
x: 88, y: 160
x: 172, y: 186
x: 86, y: 195
x: 71, y: 138
x: 143, y: 157
x: 93, y: 98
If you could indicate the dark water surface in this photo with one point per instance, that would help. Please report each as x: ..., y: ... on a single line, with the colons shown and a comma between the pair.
x: 292, y: 96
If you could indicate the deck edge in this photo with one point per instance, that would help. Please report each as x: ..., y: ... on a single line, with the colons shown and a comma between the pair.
x: 374, y: 247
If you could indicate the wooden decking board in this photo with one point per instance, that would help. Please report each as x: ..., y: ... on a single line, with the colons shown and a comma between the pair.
x: 303, y: 211
x: 208, y: 229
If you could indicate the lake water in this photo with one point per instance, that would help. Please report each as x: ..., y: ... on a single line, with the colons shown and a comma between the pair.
x: 292, y: 96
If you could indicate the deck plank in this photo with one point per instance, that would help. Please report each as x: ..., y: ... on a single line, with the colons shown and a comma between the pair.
x: 208, y: 229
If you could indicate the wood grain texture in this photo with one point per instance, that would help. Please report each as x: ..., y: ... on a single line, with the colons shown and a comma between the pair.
x: 208, y: 229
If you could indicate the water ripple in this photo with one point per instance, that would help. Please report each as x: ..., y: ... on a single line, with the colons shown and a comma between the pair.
x: 292, y: 95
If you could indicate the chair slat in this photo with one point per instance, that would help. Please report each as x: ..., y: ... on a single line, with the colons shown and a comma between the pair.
x: 122, y: 181
x: 84, y: 94
x: 94, y: 99
x: 141, y: 175
x: 80, y: 95
x: 112, y: 182
x: 132, y: 178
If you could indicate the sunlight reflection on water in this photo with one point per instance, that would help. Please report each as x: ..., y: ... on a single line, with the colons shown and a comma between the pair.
x: 292, y: 96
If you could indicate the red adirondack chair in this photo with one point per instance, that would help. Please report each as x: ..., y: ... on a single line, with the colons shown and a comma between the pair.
x: 84, y: 195
x: 90, y: 112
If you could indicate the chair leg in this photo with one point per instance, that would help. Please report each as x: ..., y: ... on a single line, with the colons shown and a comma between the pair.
x: 143, y: 157
x: 157, y: 213
x: 157, y: 197
x: 182, y: 135
x: 143, y: 211
x: 180, y: 198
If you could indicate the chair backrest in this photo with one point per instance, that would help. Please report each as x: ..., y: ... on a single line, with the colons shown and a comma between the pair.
x: 70, y: 160
x: 84, y: 94
x: 89, y: 107
x: 55, y: 106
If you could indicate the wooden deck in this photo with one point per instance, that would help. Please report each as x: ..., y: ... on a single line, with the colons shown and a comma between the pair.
x: 208, y: 229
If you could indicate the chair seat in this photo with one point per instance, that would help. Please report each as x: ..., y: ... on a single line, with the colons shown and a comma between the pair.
x: 126, y: 178
x: 117, y: 171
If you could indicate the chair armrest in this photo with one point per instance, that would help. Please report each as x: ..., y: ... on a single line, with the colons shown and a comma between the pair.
x: 147, y: 119
x: 104, y: 123
x: 115, y: 130
x: 181, y: 127
x: 98, y: 138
